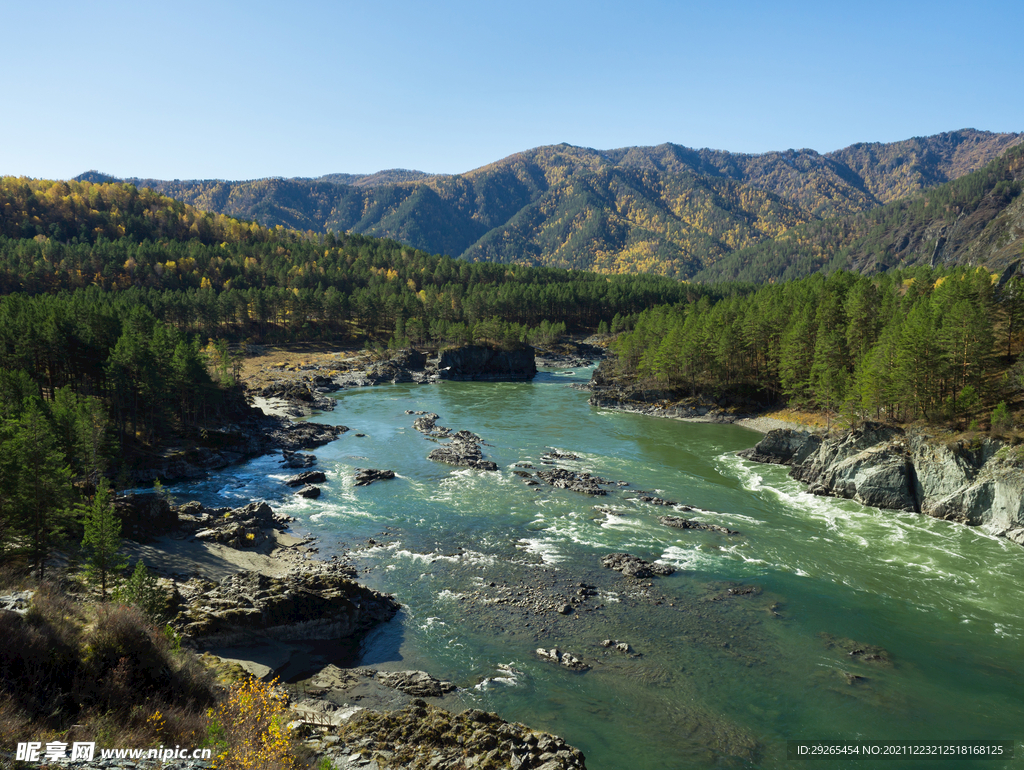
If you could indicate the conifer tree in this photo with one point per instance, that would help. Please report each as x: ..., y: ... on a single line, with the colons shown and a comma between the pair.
x: 102, y: 540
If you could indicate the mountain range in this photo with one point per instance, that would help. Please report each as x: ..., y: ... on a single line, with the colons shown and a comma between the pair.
x: 669, y: 209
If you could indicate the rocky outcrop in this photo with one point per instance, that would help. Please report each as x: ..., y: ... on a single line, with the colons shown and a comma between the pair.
x: 417, y: 683
x: 634, y: 566
x: 574, y: 481
x: 145, y: 516
x: 977, y: 483
x: 295, y: 459
x: 784, y: 447
x: 320, y: 602
x: 477, y: 362
x: 463, y: 450
x: 424, y: 737
x: 245, y: 527
x: 365, y: 476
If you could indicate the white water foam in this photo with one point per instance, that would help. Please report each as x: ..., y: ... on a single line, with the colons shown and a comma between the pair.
x: 546, y: 549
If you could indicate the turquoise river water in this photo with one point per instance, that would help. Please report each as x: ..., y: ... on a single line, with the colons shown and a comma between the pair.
x: 719, y: 678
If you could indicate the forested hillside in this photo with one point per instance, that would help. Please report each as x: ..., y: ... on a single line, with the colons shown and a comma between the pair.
x: 977, y: 219
x: 667, y: 210
x: 117, y: 307
x: 899, y: 346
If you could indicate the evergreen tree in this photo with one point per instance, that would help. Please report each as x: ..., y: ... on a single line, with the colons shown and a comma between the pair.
x: 101, y: 542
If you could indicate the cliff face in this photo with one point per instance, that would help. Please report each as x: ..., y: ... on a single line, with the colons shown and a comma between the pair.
x: 886, y: 467
x: 476, y: 362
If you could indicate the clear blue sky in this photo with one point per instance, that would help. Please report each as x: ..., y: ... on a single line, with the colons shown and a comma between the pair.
x: 239, y: 90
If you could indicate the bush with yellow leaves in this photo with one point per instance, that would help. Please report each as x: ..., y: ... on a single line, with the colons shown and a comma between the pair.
x: 249, y: 730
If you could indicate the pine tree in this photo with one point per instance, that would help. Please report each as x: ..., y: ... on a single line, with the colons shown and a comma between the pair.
x: 102, y: 540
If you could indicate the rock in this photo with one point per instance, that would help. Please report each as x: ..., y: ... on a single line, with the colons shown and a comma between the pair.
x: 366, y: 476
x: 622, y: 647
x: 575, y: 481
x: 145, y: 516
x: 661, y: 501
x: 634, y: 566
x: 680, y: 523
x: 783, y: 447
x: 974, y: 483
x: 463, y: 450
x: 17, y: 602
x: 309, y: 492
x: 309, y: 477
x: 424, y: 737
x: 554, y: 454
x: 417, y: 683
x: 865, y: 653
x: 244, y: 527
x: 298, y: 460
x: 555, y: 655
x: 320, y: 601
x: 477, y: 362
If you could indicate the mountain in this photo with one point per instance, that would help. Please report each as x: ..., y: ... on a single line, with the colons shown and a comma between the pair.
x: 668, y: 209
x: 977, y: 219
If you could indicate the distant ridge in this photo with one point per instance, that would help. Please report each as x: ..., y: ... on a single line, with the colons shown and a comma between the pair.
x: 668, y: 209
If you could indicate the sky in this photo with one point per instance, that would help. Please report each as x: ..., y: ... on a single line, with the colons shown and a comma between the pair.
x: 244, y: 90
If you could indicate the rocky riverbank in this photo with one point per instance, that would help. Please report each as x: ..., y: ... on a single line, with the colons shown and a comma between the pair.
x: 978, y: 482
x: 252, y: 598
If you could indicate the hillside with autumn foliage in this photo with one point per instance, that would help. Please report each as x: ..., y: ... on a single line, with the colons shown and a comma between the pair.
x: 668, y: 210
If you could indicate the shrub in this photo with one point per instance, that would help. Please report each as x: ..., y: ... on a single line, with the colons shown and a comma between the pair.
x: 249, y: 731
x: 1001, y: 418
x: 141, y: 590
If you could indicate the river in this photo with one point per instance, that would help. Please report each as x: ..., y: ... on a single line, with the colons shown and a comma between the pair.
x: 748, y: 645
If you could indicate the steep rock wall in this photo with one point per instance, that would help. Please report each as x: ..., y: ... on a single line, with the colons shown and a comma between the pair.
x: 886, y: 467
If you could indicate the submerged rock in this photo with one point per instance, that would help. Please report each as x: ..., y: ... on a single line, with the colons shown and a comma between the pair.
x: 681, y: 523
x: 634, y: 566
x: 566, y: 659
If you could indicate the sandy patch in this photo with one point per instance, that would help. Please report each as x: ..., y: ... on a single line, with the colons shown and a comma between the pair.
x: 175, y: 556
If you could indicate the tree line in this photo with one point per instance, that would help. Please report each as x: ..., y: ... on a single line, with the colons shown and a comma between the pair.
x: 899, y: 346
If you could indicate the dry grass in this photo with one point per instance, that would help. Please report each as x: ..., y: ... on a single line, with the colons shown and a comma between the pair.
x: 73, y: 671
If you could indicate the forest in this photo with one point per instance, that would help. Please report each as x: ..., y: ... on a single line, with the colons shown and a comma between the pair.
x: 118, y: 306
x: 926, y: 343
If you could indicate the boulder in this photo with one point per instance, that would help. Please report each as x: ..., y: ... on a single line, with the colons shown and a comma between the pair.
x: 424, y: 737
x: 309, y: 477
x: 309, y: 492
x: 634, y: 566
x: 366, y: 476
